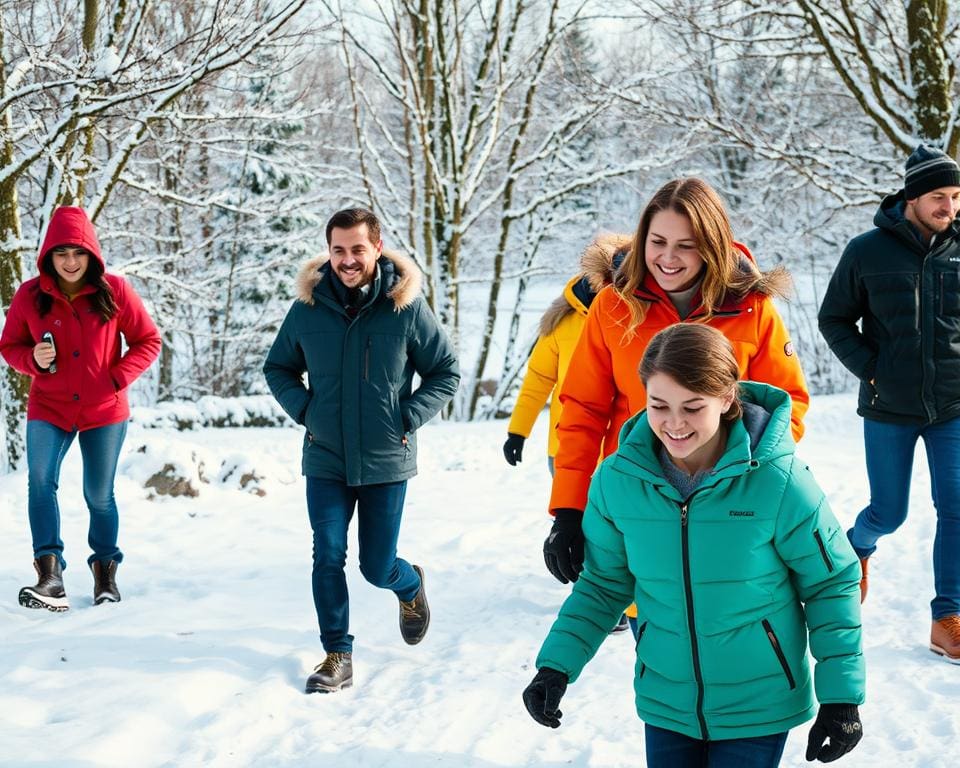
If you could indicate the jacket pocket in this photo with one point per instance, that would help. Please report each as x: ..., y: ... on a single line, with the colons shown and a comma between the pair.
x: 775, y: 644
x: 643, y: 665
x: 823, y: 550
x: 640, y: 631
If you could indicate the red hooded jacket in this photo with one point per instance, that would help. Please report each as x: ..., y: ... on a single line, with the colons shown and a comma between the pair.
x: 89, y: 388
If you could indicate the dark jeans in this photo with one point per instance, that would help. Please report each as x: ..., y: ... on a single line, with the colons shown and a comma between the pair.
x: 330, y: 505
x: 889, y: 454
x: 100, y: 449
x: 669, y: 749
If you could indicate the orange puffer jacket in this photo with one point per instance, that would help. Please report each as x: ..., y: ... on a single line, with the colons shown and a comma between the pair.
x: 602, y: 388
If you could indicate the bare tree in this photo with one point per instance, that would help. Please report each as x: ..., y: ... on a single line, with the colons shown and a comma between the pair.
x: 74, y: 108
x: 464, y: 150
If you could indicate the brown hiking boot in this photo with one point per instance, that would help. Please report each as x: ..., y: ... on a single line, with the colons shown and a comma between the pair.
x: 48, y: 592
x: 945, y: 638
x: 863, y: 579
x: 104, y: 581
x: 415, y: 615
x: 334, y: 673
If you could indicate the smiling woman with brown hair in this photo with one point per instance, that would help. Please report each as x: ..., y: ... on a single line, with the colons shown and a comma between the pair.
x: 707, y: 520
x: 683, y: 266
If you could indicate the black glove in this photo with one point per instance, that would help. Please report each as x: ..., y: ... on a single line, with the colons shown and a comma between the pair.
x: 542, y: 696
x: 513, y: 448
x: 563, y: 548
x: 839, y: 722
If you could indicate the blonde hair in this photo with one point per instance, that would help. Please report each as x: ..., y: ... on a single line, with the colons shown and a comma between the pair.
x: 725, y: 272
x: 698, y: 358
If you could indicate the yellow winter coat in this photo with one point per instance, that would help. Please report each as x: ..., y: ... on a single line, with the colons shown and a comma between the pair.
x: 560, y: 329
x: 546, y: 370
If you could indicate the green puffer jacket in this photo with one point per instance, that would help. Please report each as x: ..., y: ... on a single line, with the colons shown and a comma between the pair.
x: 358, y: 406
x: 727, y: 583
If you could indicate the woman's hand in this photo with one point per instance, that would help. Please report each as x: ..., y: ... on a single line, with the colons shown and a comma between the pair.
x: 44, y: 354
x: 542, y: 696
x: 840, y: 723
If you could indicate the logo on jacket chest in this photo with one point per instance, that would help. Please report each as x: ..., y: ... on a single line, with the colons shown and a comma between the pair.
x: 742, y: 513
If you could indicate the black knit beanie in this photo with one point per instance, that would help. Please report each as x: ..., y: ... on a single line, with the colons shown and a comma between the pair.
x: 927, y: 169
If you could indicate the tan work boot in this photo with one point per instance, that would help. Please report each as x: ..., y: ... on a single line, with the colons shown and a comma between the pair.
x: 945, y: 638
x: 334, y: 674
x: 415, y: 614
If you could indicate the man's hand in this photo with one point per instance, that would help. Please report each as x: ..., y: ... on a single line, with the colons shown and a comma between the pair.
x: 563, y: 548
x: 513, y: 448
x: 542, y: 696
x: 839, y: 722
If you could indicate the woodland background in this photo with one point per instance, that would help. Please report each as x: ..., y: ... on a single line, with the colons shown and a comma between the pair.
x: 210, y: 141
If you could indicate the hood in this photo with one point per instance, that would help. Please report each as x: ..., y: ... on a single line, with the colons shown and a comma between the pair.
x: 890, y: 217
x: 598, y: 262
x: 603, y: 257
x: 70, y: 226
x: 400, y: 274
x: 760, y: 436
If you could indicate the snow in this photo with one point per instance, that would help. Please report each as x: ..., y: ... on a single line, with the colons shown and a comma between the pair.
x: 204, y: 660
x: 107, y: 64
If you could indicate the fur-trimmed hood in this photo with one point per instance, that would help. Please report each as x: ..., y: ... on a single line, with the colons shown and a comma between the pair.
x: 597, y: 260
x: 402, y: 277
x: 598, y: 263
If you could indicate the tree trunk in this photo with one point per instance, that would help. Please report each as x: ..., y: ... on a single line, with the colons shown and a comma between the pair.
x: 14, y: 387
x: 926, y: 22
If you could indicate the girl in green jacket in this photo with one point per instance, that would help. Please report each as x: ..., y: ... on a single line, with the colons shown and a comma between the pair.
x: 708, y: 521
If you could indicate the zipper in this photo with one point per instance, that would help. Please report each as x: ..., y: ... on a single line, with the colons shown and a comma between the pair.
x: 940, y: 294
x: 691, y: 624
x: 916, y: 303
x: 924, y: 342
x: 823, y: 550
x: 772, y: 637
x: 366, y: 361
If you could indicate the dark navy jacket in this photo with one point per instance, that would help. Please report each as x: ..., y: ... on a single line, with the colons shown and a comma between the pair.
x: 358, y: 405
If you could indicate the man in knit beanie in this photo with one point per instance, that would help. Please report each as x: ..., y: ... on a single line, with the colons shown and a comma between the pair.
x: 930, y: 170
x: 891, y: 314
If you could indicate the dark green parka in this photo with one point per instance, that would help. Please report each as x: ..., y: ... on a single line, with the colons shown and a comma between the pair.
x: 907, y: 299
x: 358, y: 405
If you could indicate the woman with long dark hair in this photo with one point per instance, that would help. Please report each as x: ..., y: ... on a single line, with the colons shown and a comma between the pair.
x: 63, y: 330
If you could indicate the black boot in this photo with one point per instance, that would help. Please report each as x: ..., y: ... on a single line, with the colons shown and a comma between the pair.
x: 335, y: 673
x: 415, y: 615
x: 105, y: 581
x: 48, y: 593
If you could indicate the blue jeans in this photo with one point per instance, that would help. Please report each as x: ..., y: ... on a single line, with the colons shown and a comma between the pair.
x: 889, y: 453
x: 669, y: 749
x: 330, y: 505
x: 100, y: 449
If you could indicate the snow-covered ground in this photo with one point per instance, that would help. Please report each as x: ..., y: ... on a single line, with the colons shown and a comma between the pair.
x: 203, y: 662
